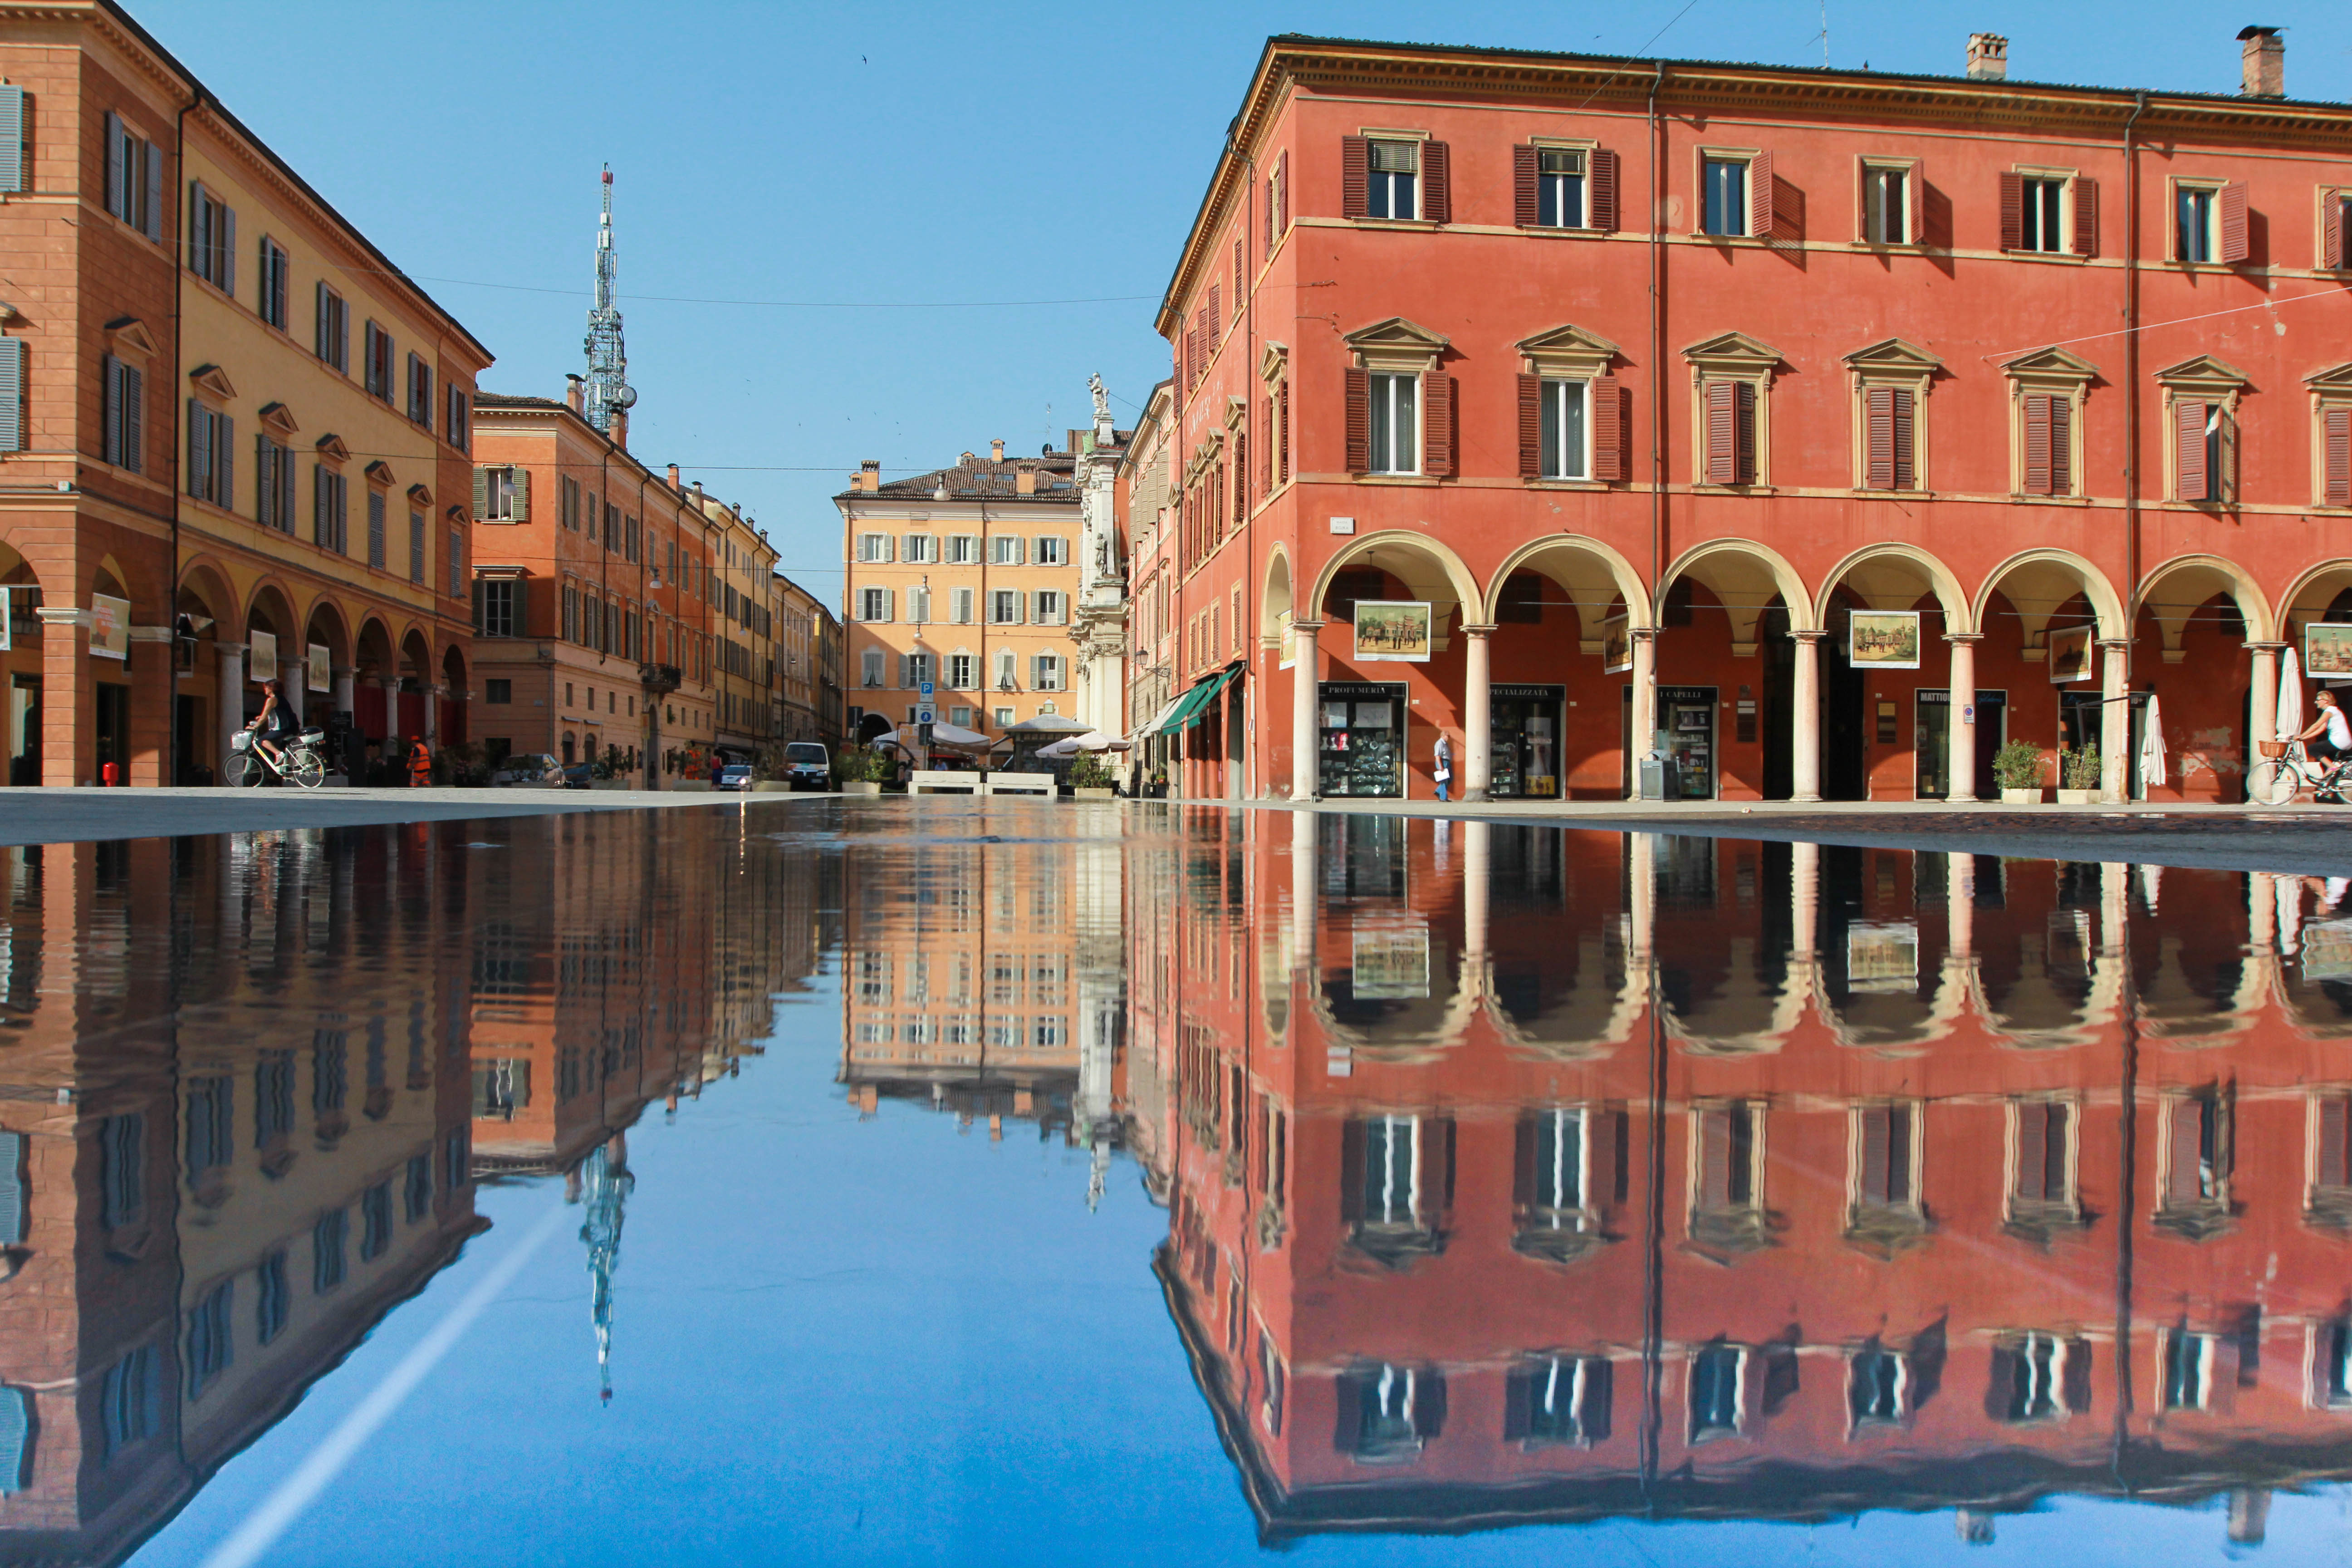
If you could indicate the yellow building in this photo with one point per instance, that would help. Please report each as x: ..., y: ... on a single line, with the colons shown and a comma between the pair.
x: 963, y: 577
x: 802, y: 681
x: 743, y: 626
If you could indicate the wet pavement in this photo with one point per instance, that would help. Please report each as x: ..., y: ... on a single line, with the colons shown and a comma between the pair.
x: 1177, y: 1184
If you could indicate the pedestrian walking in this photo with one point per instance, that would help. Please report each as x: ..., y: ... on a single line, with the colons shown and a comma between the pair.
x: 420, y: 764
x: 1441, y: 766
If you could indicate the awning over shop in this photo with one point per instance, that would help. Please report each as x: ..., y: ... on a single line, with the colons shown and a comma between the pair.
x: 1207, y: 691
x: 1180, y: 715
x: 1159, y: 721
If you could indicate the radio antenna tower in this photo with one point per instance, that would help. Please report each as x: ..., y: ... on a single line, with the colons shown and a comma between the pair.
x: 608, y: 360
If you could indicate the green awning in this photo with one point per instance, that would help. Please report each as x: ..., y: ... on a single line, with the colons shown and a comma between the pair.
x: 1178, y: 715
x: 1208, y: 690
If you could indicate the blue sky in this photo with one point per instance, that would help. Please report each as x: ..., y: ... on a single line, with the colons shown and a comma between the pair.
x: 907, y: 156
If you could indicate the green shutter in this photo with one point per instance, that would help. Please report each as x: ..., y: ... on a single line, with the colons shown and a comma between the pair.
x: 12, y: 138
x: 522, y: 495
x: 482, y: 493
x: 12, y: 395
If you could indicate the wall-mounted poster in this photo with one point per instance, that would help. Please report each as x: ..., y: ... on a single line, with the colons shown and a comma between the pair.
x: 1882, y: 955
x: 1390, y: 964
x: 109, y: 628
x: 2070, y: 653
x: 260, y: 657
x: 1883, y: 639
x: 1393, y: 630
x: 318, y: 673
x: 1616, y: 644
x: 2328, y: 649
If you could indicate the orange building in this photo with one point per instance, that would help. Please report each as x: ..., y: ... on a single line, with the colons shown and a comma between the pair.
x: 1819, y: 430
x: 1518, y: 1175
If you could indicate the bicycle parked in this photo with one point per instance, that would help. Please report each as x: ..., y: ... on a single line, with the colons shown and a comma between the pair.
x: 248, y: 765
x: 2286, y: 769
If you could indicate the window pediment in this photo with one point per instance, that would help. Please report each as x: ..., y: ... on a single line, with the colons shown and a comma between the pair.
x: 1236, y: 411
x: 2333, y: 382
x: 1568, y: 351
x: 2051, y: 366
x: 128, y: 338
x: 278, y: 420
x: 1275, y: 362
x: 214, y: 383
x: 380, y: 473
x: 2204, y: 374
x: 331, y: 449
x: 420, y: 495
x: 1895, y: 356
x: 1733, y: 354
x: 1396, y: 344
x: 455, y: 514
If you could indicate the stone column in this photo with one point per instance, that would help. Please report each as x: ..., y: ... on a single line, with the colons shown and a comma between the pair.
x: 1302, y: 891
x: 347, y: 690
x: 296, y: 674
x: 1646, y: 700
x: 1805, y: 757
x: 1961, y: 763
x: 1960, y: 907
x: 432, y: 696
x: 1804, y: 904
x: 69, y: 703
x: 228, y: 716
x: 2115, y: 720
x: 1641, y: 893
x: 154, y: 689
x: 1478, y: 715
x: 2261, y: 723
x: 1475, y: 855
x: 1304, y: 672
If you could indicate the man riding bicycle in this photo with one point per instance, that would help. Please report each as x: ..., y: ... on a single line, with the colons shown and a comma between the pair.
x: 273, y: 727
x: 2333, y: 745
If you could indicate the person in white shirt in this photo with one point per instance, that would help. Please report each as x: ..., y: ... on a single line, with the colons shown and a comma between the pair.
x: 2327, y: 739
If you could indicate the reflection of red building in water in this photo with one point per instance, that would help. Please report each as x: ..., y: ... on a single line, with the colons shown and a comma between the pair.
x: 1522, y: 1175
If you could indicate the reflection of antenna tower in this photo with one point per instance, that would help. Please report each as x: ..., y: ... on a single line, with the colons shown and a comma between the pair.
x: 608, y: 387
x: 605, y: 1185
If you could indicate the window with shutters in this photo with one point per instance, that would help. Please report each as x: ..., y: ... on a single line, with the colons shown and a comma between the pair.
x: 2331, y: 431
x: 1884, y: 1209
x: 2188, y: 1369
x: 331, y: 322
x: 212, y: 238
x: 960, y: 607
x: 124, y: 415
x: 2335, y: 229
x: 963, y: 550
x: 1729, y: 203
x: 275, y: 1298
x: 420, y: 391
x: 1731, y: 380
x: 919, y: 606
x: 211, y: 455
x: 134, y: 178
x: 1397, y: 1184
x: 329, y: 509
x: 1566, y: 1162
x: 1052, y: 551
x: 1891, y: 380
x: 1558, y: 1400
x: 1888, y: 210
x: 1718, y: 1392
x: 123, y: 1173
x: 331, y: 1233
x: 1560, y: 186
x: 212, y: 1338
x: 869, y: 668
x: 2049, y: 212
x: 873, y: 548
x: 2047, y: 391
x: 1393, y: 180
x: 498, y: 492
x: 14, y: 361
x: 454, y: 554
x: 377, y: 545
x: 377, y: 365
x: 2193, y: 1174
x: 276, y: 277
x: 130, y: 1401
x: 1007, y: 550
x: 874, y: 604
x: 914, y: 668
x: 963, y: 672
x: 457, y: 418
x: 2044, y: 1142
x: 2201, y: 398
x: 1727, y: 1175
x: 1052, y: 609
x: 1004, y: 606
x: 1393, y: 417
x: 1388, y: 1412
x: 922, y: 550
x: 417, y: 548
x: 1046, y: 672
x: 273, y: 484
x: 500, y: 601
x: 2331, y: 1369
x: 2209, y: 222
x: 1878, y: 1387
x: 1006, y: 678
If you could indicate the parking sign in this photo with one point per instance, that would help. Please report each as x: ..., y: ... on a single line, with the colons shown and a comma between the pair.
x: 927, y: 692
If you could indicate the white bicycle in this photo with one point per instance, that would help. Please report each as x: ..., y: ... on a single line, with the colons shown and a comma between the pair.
x: 2277, y: 780
x: 248, y: 765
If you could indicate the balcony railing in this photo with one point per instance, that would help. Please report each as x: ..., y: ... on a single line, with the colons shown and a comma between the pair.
x: 659, y: 678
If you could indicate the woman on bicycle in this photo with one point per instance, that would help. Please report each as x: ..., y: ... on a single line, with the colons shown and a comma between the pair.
x: 2333, y: 747
x: 273, y: 727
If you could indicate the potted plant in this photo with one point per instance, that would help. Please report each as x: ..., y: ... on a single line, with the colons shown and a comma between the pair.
x: 1156, y: 789
x: 2017, y: 768
x: 1091, y: 778
x: 2078, y: 777
x: 860, y: 770
x: 767, y: 775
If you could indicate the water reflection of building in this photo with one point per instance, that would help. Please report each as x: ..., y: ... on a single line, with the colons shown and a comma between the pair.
x: 984, y: 978
x: 1518, y: 1175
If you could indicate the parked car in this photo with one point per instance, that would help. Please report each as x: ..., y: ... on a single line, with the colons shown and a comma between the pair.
x: 734, y: 775
x: 527, y: 768
x: 578, y: 774
x: 807, y: 765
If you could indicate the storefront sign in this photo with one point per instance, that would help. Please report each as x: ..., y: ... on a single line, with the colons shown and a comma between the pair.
x: 109, y: 628
x: 2328, y: 649
x: 1883, y: 639
x: 1393, y: 630
x: 2070, y: 653
x: 1616, y: 644
x: 260, y: 657
x: 319, y: 674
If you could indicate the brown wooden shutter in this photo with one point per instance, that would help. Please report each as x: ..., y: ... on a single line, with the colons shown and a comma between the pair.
x: 1715, y: 1159
x: 2188, y: 444
x: 1604, y: 1156
x: 1523, y: 1164
x: 1744, y: 426
x: 2185, y: 1178
x: 2086, y: 216
x: 2333, y: 1126
x: 1282, y: 193
x: 1862, y: 204
x: 1265, y: 446
x: 1760, y: 215
x: 1906, y: 444
x: 1359, y: 421
x: 1351, y: 1172
x: 1355, y: 176
x: 1609, y: 427
x: 2013, y: 210
x: 1877, y: 1153
x: 2232, y: 203
x: 1241, y: 474
x: 2336, y: 424
x: 2331, y: 230
x: 1282, y: 433
x: 1437, y: 181
x: 1530, y: 427
x: 1437, y: 424
x: 1272, y: 198
x: 1878, y: 422
x: 2032, y: 1151
x: 2061, y: 447
x: 1915, y: 203
x: 1603, y: 188
x: 1523, y: 184
x: 1216, y: 313
x: 2037, y: 444
x: 1722, y: 438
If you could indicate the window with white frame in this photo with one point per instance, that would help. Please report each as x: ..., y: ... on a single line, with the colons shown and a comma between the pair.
x: 919, y: 606
x: 914, y: 668
x: 1004, y: 671
x: 1889, y: 214
x: 1050, y: 608
x: 963, y: 550
x: 2030, y: 1374
x: 1004, y: 606
x: 1394, y: 180
x: 961, y: 716
x: 960, y: 605
x: 1562, y: 1400
x: 1052, y: 551
x: 869, y: 670
x: 1394, y: 423
x: 873, y: 548
x: 1567, y: 430
x: 1723, y: 197
x: 1878, y: 1387
x: 1004, y: 718
x: 1560, y: 187
x: 874, y: 603
x: 963, y: 672
x: 1046, y: 672
x: 2042, y: 214
x: 2196, y: 223
x: 499, y: 597
x: 922, y: 549
x: 1718, y: 1377
x: 1005, y: 550
x: 2187, y: 1370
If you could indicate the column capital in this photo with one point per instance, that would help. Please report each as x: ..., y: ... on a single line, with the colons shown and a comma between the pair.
x: 2273, y: 649
x: 1809, y: 635
x: 1297, y: 626
x: 2115, y: 642
x: 229, y: 650
x: 1472, y: 629
x: 1964, y: 636
x: 1643, y: 634
x: 61, y: 615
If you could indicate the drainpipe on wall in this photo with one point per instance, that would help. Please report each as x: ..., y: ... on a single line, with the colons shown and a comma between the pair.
x: 169, y: 771
x: 2116, y: 732
x: 1645, y: 703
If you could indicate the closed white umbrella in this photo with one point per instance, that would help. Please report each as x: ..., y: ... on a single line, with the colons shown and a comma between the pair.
x: 2151, y: 748
x: 2290, y: 706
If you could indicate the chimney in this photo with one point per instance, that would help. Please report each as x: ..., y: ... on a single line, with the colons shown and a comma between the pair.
x: 620, y: 428
x: 996, y: 451
x: 574, y: 396
x: 1987, y: 57
x: 869, y: 475
x: 673, y: 476
x: 2263, y: 56
x: 1025, y: 480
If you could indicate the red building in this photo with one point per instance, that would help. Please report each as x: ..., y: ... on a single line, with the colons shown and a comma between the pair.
x: 1517, y: 1175
x: 1761, y: 409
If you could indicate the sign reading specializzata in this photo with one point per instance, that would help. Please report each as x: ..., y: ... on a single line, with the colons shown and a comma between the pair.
x: 110, y: 627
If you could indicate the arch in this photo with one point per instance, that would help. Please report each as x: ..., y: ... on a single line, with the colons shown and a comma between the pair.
x: 1880, y: 569
x: 2041, y: 574
x: 416, y: 654
x: 1274, y: 605
x: 269, y: 602
x: 1553, y: 555
x: 1705, y: 562
x: 2200, y: 578
x: 328, y: 616
x: 453, y: 668
x: 372, y: 649
x: 2309, y: 595
x: 1398, y: 552
x: 205, y: 590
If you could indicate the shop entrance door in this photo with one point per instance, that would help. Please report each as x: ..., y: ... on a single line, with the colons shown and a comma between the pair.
x: 1932, y: 734
x: 112, y: 711
x: 1526, y: 743
x: 24, y: 730
x: 1686, y: 714
x: 1359, y: 738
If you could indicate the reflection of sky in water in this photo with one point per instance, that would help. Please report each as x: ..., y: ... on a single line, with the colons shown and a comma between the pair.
x: 862, y: 1310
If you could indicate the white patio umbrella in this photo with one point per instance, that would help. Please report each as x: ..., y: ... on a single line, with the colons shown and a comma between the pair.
x: 2290, y: 703
x: 949, y: 737
x: 2152, y: 771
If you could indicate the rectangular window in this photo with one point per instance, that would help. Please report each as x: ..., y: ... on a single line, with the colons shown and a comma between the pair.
x: 1887, y: 205
x: 329, y: 1236
x: 1004, y: 718
x: 1046, y: 672
x: 1004, y: 607
x: 456, y: 1171
x: 1885, y: 1139
x: 2187, y: 1370
x: 1730, y: 433
x: 124, y: 416
x: 1567, y: 449
x: 1005, y: 550
x: 273, y: 485
x: 211, y: 1337
x: 1005, y: 676
x: 2048, y: 444
x: 276, y: 272
x: 212, y: 1126
x: 2335, y: 455
x: 963, y: 550
x: 963, y: 674
x: 872, y: 547
x: 1049, y: 609
x: 922, y: 549
x: 494, y: 493
x: 1395, y: 424
x: 1890, y: 438
x: 420, y: 391
x: 1053, y: 551
x: 870, y: 668
x: 129, y: 1401
x: 376, y: 540
x: 2199, y: 449
x: 874, y: 603
x: 123, y: 1173
x: 457, y: 420
x: 497, y: 692
x: 2044, y: 1169
x: 498, y: 606
x: 378, y: 363
x: 134, y: 178
x: 960, y: 607
x: 417, y: 548
x: 1561, y: 1400
x: 1559, y: 188
x: 274, y: 1300
x: 919, y: 606
x: 212, y: 238
x: 329, y: 523
x: 1717, y: 1391
x: 2196, y: 1153
x: 2196, y: 225
x: 1723, y: 196
x: 455, y: 555
x: 211, y: 455
x: 2042, y: 222
x: 334, y: 326
x: 375, y: 1222
x: 914, y: 668
x: 417, y: 1191
x: 1394, y: 173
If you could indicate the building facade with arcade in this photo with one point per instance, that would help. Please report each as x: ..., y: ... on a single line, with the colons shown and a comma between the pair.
x: 1818, y: 430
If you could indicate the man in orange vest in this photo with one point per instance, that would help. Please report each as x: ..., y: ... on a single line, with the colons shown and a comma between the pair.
x: 420, y: 765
